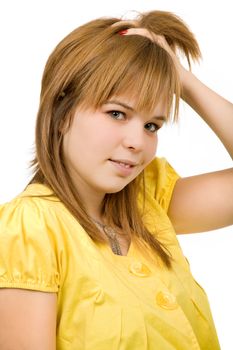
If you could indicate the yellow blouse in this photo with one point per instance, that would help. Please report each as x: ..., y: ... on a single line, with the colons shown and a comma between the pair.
x: 106, y: 301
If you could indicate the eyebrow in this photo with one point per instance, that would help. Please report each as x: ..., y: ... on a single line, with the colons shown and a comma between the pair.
x: 122, y: 104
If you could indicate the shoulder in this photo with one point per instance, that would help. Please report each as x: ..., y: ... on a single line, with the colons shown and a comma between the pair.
x: 37, y: 200
x: 160, y: 179
x: 29, y: 249
x: 28, y: 209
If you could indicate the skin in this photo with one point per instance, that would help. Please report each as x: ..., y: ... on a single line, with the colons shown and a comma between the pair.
x: 28, y: 320
x: 199, y: 203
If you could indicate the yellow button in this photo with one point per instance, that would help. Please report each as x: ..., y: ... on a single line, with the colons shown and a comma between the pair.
x: 166, y: 300
x: 139, y: 269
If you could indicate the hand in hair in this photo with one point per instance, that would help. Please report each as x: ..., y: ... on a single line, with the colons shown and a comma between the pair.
x: 159, y: 40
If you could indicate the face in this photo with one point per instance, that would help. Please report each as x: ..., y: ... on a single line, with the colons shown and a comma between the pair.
x: 107, y: 148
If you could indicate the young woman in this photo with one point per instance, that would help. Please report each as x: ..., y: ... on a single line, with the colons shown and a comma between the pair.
x: 89, y: 257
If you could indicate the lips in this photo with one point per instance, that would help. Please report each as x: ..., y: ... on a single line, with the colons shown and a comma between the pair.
x: 125, y: 163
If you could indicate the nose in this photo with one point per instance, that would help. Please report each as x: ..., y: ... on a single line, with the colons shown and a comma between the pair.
x: 134, y: 136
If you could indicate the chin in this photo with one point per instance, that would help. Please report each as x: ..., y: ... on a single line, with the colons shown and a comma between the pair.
x: 114, y: 189
x: 117, y: 187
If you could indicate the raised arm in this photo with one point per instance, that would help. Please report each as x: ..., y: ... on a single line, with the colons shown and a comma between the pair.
x: 27, y: 320
x: 205, y: 202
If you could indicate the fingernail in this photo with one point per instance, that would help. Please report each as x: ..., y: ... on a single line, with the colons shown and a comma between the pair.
x: 123, y: 32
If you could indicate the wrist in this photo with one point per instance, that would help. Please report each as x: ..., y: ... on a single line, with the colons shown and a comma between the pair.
x: 186, y: 81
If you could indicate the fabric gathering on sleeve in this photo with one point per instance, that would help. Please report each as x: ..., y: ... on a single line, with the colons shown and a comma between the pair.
x: 160, y: 180
x: 27, y: 248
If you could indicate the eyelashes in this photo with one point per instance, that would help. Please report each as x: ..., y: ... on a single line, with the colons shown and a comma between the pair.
x: 152, y: 127
x: 118, y: 115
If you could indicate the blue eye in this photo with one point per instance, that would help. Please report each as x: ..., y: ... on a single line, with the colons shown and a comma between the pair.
x: 152, y: 127
x: 117, y: 115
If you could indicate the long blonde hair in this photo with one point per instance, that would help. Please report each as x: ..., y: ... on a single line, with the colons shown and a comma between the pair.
x: 89, y: 66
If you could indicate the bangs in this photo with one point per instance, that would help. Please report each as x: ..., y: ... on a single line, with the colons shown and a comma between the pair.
x: 135, y: 67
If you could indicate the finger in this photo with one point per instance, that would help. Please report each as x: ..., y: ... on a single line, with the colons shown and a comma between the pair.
x: 156, y: 38
x: 143, y: 32
x: 125, y: 23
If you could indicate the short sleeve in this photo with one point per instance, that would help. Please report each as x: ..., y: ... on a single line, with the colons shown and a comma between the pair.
x: 160, y: 179
x: 27, y: 249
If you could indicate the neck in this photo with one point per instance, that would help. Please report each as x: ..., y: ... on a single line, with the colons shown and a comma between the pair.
x: 93, y: 206
x: 91, y: 199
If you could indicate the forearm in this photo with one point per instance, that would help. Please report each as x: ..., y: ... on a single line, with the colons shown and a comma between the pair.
x: 214, y: 109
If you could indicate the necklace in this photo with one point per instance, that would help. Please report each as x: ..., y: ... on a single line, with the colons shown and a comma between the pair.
x: 112, y: 237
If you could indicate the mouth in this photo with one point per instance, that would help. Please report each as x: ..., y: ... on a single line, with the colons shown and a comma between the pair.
x: 124, y: 163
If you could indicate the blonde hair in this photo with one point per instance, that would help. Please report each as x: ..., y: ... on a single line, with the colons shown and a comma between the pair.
x: 89, y: 66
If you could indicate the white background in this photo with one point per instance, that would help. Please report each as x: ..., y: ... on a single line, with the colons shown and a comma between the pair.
x: 29, y: 30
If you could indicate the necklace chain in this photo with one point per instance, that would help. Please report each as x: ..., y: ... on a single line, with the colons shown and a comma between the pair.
x: 112, y: 237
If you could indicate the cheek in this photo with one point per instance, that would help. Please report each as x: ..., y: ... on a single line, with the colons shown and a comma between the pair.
x: 105, y: 138
x: 85, y: 138
x: 152, y: 147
